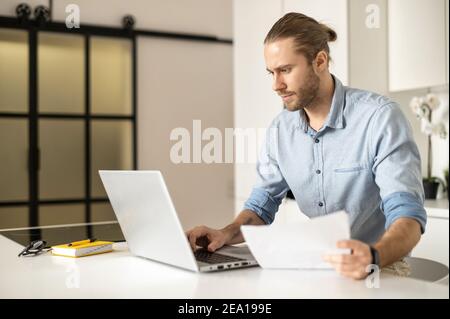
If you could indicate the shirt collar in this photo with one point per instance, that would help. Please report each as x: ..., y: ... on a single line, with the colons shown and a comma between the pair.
x: 335, y: 118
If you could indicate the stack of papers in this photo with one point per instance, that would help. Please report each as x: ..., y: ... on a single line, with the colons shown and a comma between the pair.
x: 300, y: 244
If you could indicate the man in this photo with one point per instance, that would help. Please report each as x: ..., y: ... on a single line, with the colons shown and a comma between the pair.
x: 336, y: 148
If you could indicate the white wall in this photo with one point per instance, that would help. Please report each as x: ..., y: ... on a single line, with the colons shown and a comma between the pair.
x: 212, y: 17
x: 416, y: 31
x: 178, y: 82
x: 368, y: 47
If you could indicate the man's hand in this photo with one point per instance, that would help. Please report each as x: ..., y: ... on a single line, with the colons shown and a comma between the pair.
x: 354, y: 265
x: 211, y: 239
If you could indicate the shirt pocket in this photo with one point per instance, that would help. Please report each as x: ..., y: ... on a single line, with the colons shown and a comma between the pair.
x: 351, y: 168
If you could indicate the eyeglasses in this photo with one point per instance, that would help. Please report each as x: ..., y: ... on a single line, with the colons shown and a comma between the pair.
x: 36, y: 247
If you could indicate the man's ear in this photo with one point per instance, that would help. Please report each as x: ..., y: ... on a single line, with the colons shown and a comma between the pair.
x: 321, y: 62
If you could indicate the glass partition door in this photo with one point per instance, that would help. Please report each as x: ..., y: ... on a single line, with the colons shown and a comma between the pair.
x: 66, y: 111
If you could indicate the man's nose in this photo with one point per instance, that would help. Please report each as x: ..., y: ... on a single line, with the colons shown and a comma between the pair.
x: 278, y: 83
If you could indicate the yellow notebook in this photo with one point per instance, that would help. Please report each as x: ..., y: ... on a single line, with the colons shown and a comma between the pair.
x: 82, y: 249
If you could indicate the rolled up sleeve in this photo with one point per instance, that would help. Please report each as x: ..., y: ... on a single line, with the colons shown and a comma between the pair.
x: 270, y: 187
x: 403, y: 204
x: 397, y: 167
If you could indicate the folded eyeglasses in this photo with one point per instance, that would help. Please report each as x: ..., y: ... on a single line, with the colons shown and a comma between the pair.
x: 36, y: 247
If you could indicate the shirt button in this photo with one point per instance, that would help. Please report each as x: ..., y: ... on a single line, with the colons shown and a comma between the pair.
x: 318, y: 171
x: 317, y: 140
x: 320, y: 204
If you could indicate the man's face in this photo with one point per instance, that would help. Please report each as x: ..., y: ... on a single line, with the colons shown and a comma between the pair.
x: 294, y: 78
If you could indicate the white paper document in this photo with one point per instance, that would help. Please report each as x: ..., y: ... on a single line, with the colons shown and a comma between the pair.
x: 300, y: 244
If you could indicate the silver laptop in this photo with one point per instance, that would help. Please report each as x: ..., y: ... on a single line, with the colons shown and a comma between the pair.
x: 151, y: 227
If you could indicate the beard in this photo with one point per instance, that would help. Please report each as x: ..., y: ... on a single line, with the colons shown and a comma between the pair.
x: 306, y: 95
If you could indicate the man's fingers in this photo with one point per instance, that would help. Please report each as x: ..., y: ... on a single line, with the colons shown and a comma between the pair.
x: 192, y: 241
x: 350, y: 268
x: 357, y: 247
x: 349, y: 243
x: 216, y: 244
x: 193, y: 237
x: 346, y: 267
x: 341, y: 259
x: 205, y: 237
x: 354, y: 274
x: 213, y: 246
x: 355, y: 270
x: 202, y: 241
x: 198, y: 237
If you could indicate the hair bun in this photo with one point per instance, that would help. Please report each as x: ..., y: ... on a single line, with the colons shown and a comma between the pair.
x: 332, y: 36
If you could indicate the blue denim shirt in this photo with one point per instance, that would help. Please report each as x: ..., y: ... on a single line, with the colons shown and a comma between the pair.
x: 363, y: 160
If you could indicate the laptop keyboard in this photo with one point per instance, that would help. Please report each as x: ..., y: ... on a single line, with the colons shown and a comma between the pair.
x: 213, y: 258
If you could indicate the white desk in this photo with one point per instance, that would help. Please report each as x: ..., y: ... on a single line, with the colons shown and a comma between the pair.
x: 121, y: 275
x: 434, y: 243
x: 437, y: 208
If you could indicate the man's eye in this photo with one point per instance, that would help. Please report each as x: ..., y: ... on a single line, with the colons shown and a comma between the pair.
x: 269, y: 73
x: 285, y: 70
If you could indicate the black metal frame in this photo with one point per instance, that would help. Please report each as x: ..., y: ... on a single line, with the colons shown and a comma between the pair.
x: 33, y: 27
x: 9, y: 22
